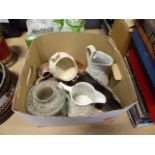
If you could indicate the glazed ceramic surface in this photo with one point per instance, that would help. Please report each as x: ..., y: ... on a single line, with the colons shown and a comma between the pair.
x: 46, y: 99
x: 98, y: 64
x: 81, y: 96
x: 63, y: 66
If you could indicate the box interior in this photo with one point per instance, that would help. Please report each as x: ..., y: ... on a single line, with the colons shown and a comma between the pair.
x: 75, y: 44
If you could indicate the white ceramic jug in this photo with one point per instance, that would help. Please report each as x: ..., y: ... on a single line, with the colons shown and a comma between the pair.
x: 98, y: 64
x: 81, y: 97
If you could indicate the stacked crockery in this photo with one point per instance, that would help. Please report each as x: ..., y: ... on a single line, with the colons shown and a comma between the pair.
x: 7, y: 88
x: 61, y: 89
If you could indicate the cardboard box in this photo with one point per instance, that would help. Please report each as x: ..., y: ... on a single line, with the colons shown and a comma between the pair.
x: 74, y: 43
x: 121, y: 35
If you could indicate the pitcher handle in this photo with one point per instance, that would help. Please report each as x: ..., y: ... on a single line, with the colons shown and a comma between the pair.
x: 67, y: 88
x: 90, y: 49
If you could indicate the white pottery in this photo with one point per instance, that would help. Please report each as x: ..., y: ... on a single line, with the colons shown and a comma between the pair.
x: 81, y: 96
x: 99, y: 64
x: 46, y: 99
x: 63, y: 66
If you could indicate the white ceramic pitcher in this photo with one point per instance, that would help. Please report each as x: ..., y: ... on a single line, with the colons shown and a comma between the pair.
x: 81, y: 96
x: 98, y: 64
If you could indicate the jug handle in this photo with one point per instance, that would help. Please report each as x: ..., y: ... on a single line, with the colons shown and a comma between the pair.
x: 89, y: 51
x: 67, y: 88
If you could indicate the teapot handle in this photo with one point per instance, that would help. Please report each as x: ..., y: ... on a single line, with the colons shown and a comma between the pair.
x: 89, y: 52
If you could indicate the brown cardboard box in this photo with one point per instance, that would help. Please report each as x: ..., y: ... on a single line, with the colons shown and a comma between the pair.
x: 121, y: 35
x: 74, y: 43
